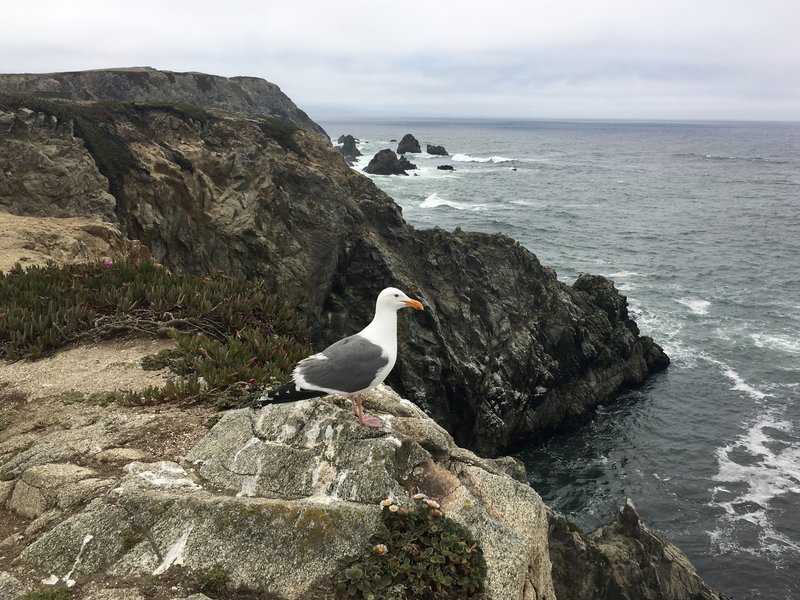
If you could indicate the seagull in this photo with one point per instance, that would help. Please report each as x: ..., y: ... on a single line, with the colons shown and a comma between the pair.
x: 352, y: 365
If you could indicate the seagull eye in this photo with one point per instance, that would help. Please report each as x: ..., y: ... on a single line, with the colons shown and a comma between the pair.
x: 397, y: 295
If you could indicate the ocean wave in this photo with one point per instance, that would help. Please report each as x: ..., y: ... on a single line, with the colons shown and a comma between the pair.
x: 741, y: 385
x: 435, y: 200
x: 724, y: 157
x: 490, y: 159
x: 621, y: 274
x: 698, y: 307
x: 759, y: 470
x: 781, y: 343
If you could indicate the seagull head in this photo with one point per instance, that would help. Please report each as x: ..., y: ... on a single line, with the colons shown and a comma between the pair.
x: 394, y: 299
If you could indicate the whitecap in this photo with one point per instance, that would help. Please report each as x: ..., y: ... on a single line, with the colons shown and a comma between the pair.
x: 772, y: 472
x: 435, y: 200
x: 698, y: 307
x: 625, y: 274
x: 478, y: 159
x: 781, y: 343
x: 741, y: 385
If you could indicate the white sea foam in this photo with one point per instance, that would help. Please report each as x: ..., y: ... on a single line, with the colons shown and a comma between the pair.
x: 741, y: 385
x: 781, y: 343
x: 773, y: 471
x: 624, y: 274
x: 435, y: 200
x: 698, y: 307
x: 478, y: 159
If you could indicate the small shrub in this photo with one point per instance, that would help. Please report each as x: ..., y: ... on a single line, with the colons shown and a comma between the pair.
x: 417, y: 553
x: 233, y: 336
x: 214, y: 580
x: 282, y: 132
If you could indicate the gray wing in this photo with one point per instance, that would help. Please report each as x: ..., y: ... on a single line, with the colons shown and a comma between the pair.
x: 348, y: 366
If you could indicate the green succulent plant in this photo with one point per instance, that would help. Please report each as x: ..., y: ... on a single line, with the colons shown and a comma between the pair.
x: 417, y: 553
x: 232, y: 335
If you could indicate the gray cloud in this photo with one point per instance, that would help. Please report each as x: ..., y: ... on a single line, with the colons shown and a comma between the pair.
x: 735, y: 59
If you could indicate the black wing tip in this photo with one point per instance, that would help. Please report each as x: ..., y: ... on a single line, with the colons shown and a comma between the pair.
x: 287, y: 393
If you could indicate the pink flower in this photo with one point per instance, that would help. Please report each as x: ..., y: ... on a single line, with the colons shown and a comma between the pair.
x: 108, y: 263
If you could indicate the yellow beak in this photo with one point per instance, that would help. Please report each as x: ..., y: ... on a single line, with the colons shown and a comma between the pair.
x: 414, y: 304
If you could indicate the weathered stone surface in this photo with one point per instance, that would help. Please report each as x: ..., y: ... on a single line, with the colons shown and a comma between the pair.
x: 95, y: 592
x: 623, y: 559
x: 504, y: 351
x: 436, y: 150
x: 280, y: 496
x: 10, y: 587
x: 41, y: 487
x: 33, y: 241
x: 45, y: 171
x: 386, y: 162
x: 250, y: 95
x: 408, y: 144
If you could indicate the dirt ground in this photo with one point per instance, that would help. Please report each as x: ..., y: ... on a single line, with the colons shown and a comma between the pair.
x: 98, y: 367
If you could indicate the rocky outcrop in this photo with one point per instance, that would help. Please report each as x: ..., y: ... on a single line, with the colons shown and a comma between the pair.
x: 278, y: 499
x: 39, y: 240
x: 446, y: 167
x: 408, y: 144
x: 386, y: 162
x: 130, y: 502
x: 59, y: 178
x: 250, y: 95
x: 437, y: 150
x: 349, y: 148
x: 623, y: 559
x: 504, y: 352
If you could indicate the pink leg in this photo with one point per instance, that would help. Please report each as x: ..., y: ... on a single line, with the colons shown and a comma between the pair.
x: 365, y: 420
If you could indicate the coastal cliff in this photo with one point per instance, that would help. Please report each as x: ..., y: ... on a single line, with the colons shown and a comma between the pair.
x: 112, y: 502
x: 505, y: 352
x: 248, y: 95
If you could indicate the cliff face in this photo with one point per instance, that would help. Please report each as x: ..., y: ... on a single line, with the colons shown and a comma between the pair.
x: 249, y: 95
x: 504, y: 351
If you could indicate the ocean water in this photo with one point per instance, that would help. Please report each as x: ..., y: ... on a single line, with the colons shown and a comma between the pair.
x: 698, y: 224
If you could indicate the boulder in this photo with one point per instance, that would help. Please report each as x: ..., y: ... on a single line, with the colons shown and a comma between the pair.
x: 279, y: 498
x: 408, y: 144
x: 437, y: 150
x: 623, y: 559
x: 445, y: 167
x: 348, y: 148
x: 386, y: 162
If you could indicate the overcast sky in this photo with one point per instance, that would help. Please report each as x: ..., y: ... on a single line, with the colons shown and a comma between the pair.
x: 629, y: 59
